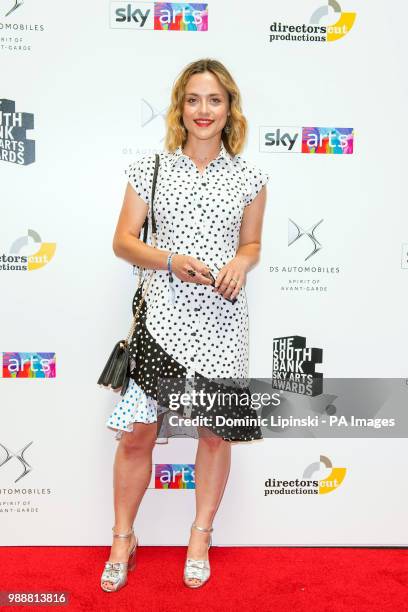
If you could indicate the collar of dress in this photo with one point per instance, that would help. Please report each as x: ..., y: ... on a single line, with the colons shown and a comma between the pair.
x: 178, y: 154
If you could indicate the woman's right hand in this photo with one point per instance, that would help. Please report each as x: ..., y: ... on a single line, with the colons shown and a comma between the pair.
x: 180, y: 264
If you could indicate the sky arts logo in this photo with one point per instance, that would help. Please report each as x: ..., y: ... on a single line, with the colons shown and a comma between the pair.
x: 328, y: 479
x: 27, y: 253
x: 174, y: 476
x: 294, y: 366
x: 29, y: 365
x: 323, y: 140
x: 15, y: 147
x: 326, y: 24
x: 176, y: 16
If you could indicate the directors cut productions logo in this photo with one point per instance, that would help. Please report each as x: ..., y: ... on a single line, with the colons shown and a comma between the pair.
x: 309, y: 140
x: 309, y: 484
x: 294, y: 366
x: 173, y: 476
x: 327, y: 23
x: 41, y: 253
x: 15, y: 147
x: 164, y: 16
x: 29, y: 365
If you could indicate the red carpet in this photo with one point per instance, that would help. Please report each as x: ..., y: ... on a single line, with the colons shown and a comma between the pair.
x: 261, y: 579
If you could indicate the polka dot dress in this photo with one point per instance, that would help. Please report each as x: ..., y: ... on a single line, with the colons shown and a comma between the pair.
x: 198, y: 335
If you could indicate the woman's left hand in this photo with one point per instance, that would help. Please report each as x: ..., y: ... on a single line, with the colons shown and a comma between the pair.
x: 231, y: 277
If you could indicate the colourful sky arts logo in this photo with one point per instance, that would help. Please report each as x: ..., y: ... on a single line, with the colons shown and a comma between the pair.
x: 327, y: 24
x: 174, y: 476
x: 29, y: 365
x: 327, y: 140
x: 319, y: 140
x: 176, y: 16
x: 21, y: 259
x: 309, y: 483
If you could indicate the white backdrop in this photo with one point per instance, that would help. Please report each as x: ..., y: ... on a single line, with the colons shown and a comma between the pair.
x: 97, y: 95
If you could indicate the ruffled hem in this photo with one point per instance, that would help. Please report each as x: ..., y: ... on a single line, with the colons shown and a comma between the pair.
x: 137, y: 407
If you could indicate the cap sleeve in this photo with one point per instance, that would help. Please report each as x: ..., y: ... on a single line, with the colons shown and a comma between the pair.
x: 136, y: 174
x: 256, y: 179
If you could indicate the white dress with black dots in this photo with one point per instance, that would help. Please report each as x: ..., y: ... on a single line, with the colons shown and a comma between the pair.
x: 198, y: 333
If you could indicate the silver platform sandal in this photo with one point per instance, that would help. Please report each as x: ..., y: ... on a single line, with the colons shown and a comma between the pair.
x: 116, y: 572
x: 198, y: 568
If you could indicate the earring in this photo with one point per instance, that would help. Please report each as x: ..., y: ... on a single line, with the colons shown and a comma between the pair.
x: 227, y: 127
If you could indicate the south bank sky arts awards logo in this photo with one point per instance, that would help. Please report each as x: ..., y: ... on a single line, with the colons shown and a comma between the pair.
x: 16, y: 29
x: 318, y: 478
x: 327, y: 23
x: 164, y: 16
x: 15, y: 147
x: 294, y: 366
x: 27, y: 253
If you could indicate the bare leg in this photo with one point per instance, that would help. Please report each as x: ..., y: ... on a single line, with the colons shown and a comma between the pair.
x: 212, y: 466
x: 131, y: 476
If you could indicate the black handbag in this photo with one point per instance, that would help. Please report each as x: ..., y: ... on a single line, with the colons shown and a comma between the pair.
x: 116, y: 373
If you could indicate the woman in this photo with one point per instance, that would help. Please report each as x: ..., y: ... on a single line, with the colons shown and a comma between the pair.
x: 208, y: 206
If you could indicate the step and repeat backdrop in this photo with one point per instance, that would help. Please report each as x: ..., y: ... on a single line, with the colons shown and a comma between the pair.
x: 83, y: 92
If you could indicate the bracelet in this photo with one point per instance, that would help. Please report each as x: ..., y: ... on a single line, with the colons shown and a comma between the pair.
x: 172, y: 295
x: 170, y: 255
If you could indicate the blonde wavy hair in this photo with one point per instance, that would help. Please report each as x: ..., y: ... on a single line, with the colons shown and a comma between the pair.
x: 176, y: 133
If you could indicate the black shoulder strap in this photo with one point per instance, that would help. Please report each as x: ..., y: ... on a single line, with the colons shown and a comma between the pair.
x: 146, y: 221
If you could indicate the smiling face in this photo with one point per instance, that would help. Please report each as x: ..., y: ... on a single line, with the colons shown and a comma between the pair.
x: 206, y: 106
